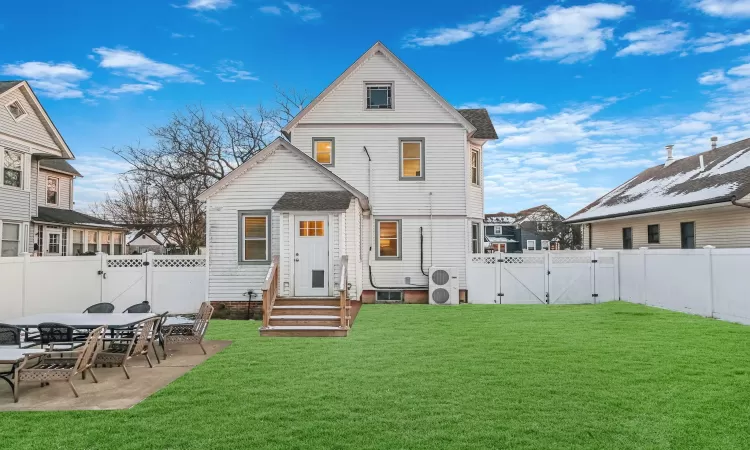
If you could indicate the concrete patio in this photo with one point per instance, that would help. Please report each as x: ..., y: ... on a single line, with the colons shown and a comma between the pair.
x: 114, y: 390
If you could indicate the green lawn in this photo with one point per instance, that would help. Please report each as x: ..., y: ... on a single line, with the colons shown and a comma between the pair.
x: 615, y: 375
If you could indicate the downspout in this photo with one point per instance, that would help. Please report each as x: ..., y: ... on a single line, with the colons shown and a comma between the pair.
x: 421, y: 251
x: 734, y: 202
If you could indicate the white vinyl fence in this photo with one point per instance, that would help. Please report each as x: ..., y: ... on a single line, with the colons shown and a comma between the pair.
x: 32, y: 285
x: 709, y: 282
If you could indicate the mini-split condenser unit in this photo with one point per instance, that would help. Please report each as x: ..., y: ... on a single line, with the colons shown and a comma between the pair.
x: 443, y: 286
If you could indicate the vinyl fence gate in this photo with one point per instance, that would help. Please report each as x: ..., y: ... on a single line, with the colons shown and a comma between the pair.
x: 553, y: 278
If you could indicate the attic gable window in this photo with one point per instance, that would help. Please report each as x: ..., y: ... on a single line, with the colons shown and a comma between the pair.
x: 379, y: 95
x: 16, y: 110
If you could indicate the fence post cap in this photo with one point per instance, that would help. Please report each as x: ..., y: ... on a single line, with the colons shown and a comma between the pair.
x: 709, y: 246
x: 643, y: 248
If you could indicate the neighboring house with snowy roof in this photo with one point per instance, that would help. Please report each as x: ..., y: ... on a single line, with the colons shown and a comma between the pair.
x: 36, y: 187
x: 687, y: 203
x: 536, y: 228
x: 147, y: 240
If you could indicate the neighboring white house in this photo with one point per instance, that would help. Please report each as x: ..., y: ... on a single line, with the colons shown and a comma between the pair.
x: 145, y: 240
x: 379, y: 167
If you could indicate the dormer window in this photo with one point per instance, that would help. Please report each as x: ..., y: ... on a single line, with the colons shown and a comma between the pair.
x: 16, y: 110
x: 379, y: 95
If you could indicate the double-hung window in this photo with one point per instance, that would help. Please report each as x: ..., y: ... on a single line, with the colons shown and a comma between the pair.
x: 53, y: 185
x: 545, y: 227
x: 323, y: 151
x: 12, y: 168
x: 530, y: 244
x: 255, y: 237
x: 93, y: 240
x: 411, y: 159
x: 105, y: 241
x: 11, y: 239
x: 76, y: 238
x: 476, y: 238
x: 389, y: 239
x: 653, y: 234
x: 627, y: 238
x: 687, y: 235
x: 116, y: 243
x: 475, y: 167
x: 379, y: 95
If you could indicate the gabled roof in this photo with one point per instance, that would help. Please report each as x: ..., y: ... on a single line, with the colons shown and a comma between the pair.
x: 59, y: 165
x: 70, y: 217
x: 155, y: 235
x: 521, y: 216
x: 480, y: 118
x: 8, y: 86
x: 314, y: 201
x: 263, y: 154
x: 379, y: 48
x: 725, y: 176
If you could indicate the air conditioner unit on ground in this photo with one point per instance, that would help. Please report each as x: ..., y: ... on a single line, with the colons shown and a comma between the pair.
x: 443, y: 286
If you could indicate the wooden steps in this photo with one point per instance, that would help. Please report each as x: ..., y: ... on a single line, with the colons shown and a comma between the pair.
x: 305, y: 317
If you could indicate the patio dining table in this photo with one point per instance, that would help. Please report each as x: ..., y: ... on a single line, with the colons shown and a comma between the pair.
x: 84, y: 321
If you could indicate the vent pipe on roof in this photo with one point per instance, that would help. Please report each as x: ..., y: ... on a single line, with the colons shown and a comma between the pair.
x: 700, y: 159
x: 714, y: 142
x: 670, y: 158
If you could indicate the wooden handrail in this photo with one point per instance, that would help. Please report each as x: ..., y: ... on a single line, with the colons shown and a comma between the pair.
x: 343, y: 286
x: 270, y: 290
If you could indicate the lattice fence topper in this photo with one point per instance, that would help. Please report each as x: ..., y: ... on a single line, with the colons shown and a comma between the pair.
x: 179, y: 262
x: 571, y: 260
x: 483, y: 259
x: 124, y: 263
x: 524, y: 260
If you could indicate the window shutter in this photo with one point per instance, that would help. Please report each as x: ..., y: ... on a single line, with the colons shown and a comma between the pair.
x: 26, y: 172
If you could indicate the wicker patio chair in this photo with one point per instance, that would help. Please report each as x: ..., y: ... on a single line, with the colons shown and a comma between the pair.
x: 10, y: 335
x: 158, y: 334
x: 55, y: 336
x: 139, y: 308
x: 61, y: 369
x: 189, y: 334
x: 121, y: 349
x: 100, y: 308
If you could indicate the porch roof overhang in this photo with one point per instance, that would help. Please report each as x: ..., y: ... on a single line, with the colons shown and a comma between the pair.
x: 314, y: 201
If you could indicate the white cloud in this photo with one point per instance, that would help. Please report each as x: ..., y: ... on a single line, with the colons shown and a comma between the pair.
x: 713, y: 42
x: 52, y: 80
x: 126, y: 88
x: 656, y: 40
x: 689, y: 127
x: 275, y: 10
x: 304, y: 12
x: 507, y: 108
x: 181, y: 36
x: 569, y: 34
x: 100, y: 175
x: 565, y: 126
x: 736, y: 79
x: 208, y: 5
x: 712, y: 77
x: 136, y: 65
x: 731, y: 9
x: 451, y: 35
x: 230, y: 71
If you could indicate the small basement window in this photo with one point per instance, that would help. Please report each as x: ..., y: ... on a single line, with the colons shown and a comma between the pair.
x: 379, y: 95
x: 389, y: 296
x: 16, y: 110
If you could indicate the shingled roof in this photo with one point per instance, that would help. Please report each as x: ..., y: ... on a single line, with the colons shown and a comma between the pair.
x: 725, y: 175
x: 314, y: 201
x: 59, y: 165
x: 5, y: 85
x: 70, y: 217
x: 480, y: 118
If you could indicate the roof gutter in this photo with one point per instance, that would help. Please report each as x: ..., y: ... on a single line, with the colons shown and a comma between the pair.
x: 734, y: 202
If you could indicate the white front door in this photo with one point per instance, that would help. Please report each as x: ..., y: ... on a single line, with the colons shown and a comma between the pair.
x: 311, y: 256
x: 53, y: 242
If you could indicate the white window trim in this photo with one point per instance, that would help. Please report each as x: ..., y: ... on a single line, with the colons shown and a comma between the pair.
x: 479, y: 239
x: 267, y: 216
x: 22, y: 116
x: 22, y: 227
x: 84, y: 244
x: 100, y: 241
x: 401, y: 142
x: 498, y: 229
x: 46, y: 190
x: 531, y: 244
x: 471, y: 167
x: 47, y: 233
x: 547, y: 228
x: 376, y: 84
x: 23, y: 169
x: 548, y: 244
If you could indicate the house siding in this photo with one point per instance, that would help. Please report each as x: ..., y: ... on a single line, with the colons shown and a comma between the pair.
x: 444, y: 154
x: 30, y: 129
x: 258, y: 189
x: 722, y: 227
x: 346, y: 103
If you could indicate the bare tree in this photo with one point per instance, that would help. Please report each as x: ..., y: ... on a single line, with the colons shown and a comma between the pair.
x: 190, y: 153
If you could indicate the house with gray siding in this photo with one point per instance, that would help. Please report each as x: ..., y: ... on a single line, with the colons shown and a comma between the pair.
x: 378, y: 168
x: 699, y: 200
x: 532, y: 229
x: 36, y: 193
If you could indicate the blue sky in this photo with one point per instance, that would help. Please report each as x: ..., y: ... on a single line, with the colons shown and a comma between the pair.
x: 584, y: 95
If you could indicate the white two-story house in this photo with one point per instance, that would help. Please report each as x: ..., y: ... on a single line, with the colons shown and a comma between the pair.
x: 36, y: 189
x: 379, y: 167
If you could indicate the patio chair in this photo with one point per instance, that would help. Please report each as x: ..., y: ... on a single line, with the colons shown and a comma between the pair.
x: 158, y: 334
x: 189, y: 334
x: 143, y: 307
x: 121, y: 349
x: 55, y: 336
x: 10, y: 335
x: 61, y: 369
x: 100, y: 308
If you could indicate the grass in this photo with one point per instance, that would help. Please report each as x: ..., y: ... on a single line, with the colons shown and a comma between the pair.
x: 615, y: 375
